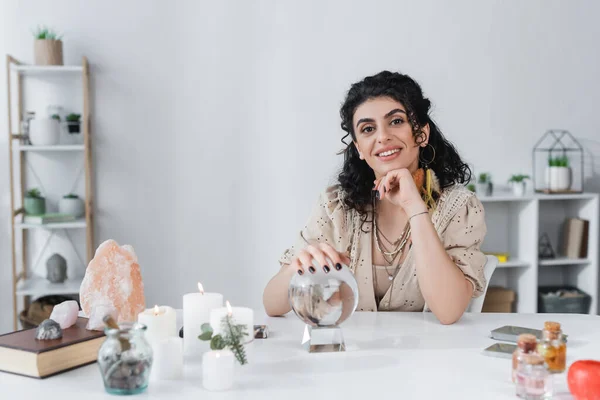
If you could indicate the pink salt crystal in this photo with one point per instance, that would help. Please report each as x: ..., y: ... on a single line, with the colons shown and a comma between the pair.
x: 65, y: 313
x: 113, y: 278
x: 99, y: 311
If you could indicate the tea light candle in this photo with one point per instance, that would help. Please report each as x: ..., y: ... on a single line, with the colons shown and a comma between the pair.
x: 239, y: 316
x: 160, y: 323
x: 196, y: 311
x: 168, y: 359
x: 217, y: 370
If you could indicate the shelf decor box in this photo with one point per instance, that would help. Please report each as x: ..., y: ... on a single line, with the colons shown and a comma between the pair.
x: 571, y: 304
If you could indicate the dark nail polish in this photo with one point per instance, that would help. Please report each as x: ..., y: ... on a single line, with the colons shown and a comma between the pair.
x: 300, y: 272
x: 377, y: 195
x: 338, y: 266
x: 311, y: 270
x: 326, y: 268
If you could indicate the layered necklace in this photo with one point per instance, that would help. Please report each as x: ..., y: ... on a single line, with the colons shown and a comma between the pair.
x: 392, y: 253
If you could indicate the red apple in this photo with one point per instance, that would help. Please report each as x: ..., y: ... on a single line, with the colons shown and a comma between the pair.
x: 584, y: 380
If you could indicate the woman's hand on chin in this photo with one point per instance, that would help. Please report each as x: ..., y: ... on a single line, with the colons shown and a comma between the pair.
x: 398, y: 186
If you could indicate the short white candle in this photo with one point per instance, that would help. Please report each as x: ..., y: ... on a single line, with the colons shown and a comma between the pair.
x: 239, y: 316
x: 167, y: 362
x: 196, y: 311
x: 160, y: 323
x: 217, y: 370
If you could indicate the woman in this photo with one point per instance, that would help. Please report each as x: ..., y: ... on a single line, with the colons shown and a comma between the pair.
x: 399, y: 217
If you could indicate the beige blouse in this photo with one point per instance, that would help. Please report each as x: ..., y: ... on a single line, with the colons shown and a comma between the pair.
x: 458, y: 218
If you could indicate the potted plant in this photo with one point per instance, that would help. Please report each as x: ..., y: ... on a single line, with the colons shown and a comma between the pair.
x: 471, y: 187
x: 34, y: 203
x: 48, y: 49
x: 73, y: 123
x: 71, y: 204
x: 484, y: 184
x: 558, y: 174
x: 45, y: 131
x: 518, y: 184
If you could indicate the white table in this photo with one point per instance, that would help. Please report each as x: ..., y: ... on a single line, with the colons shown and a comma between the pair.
x: 389, y: 356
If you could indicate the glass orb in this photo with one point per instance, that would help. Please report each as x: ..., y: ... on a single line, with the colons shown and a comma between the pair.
x: 324, y: 299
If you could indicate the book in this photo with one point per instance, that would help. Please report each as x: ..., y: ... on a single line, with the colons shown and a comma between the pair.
x: 48, y: 218
x: 575, y: 238
x: 21, y: 353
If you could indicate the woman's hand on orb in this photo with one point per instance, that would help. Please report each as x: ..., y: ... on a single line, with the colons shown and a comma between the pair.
x: 324, y: 254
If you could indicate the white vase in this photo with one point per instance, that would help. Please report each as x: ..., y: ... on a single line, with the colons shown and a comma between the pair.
x: 71, y: 206
x: 518, y: 188
x: 560, y: 178
x: 44, y: 131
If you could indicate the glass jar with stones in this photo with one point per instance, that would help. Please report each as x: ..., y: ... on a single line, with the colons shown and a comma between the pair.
x: 125, y: 359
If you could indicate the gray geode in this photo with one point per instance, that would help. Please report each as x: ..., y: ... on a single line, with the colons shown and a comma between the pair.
x: 56, y: 268
x: 48, y: 330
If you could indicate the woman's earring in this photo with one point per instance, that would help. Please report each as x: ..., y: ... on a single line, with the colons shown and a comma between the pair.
x: 426, y: 163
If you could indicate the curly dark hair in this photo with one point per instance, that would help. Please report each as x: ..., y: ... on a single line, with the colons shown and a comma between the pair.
x: 356, y: 177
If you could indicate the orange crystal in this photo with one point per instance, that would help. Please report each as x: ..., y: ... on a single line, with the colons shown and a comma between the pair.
x: 113, y: 278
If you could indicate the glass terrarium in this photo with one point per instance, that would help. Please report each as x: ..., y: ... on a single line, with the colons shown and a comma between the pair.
x: 558, y: 163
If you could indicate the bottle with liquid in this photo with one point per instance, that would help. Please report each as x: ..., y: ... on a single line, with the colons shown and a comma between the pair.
x: 526, y: 343
x: 534, y: 382
x: 553, y: 347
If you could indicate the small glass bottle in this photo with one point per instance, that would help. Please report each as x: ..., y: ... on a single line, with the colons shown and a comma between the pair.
x: 534, y: 382
x: 526, y: 343
x: 553, y: 347
x: 125, y: 359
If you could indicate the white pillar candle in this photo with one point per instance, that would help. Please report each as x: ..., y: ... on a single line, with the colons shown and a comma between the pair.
x: 218, y: 370
x: 239, y: 316
x: 167, y: 362
x: 160, y: 323
x: 196, y: 311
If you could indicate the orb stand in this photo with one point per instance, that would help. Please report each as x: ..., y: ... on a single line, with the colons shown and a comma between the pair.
x: 325, y: 339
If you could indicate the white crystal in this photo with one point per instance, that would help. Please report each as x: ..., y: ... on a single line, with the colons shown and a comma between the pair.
x: 98, y: 312
x: 65, y: 313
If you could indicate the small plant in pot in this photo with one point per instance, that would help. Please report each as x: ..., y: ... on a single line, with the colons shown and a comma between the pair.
x: 34, y: 203
x: 73, y: 123
x: 484, y: 185
x: 48, y: 49
x: 558, y: 174
x: 71, y: 204
x: 518, y: 184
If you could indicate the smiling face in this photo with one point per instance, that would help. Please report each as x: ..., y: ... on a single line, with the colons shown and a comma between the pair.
x: 384, y: 137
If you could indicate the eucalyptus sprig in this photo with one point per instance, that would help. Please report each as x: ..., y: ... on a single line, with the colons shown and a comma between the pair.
x: 232, y: 338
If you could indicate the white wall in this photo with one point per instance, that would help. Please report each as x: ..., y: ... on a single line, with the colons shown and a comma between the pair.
x: 216, y: 122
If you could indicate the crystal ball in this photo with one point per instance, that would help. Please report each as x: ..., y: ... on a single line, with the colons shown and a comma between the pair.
x: 324, y: 299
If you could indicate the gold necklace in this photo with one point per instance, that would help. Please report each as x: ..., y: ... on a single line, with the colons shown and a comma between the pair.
x: 400, y: 246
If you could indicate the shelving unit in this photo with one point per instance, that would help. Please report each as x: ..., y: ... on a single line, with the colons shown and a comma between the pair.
x: 31, y: 86
x: 515, y: 225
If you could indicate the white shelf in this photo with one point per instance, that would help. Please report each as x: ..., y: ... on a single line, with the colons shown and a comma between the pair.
x: 502, y: 198
x: 80, y: 223
x: 564, y: 261
x: 513, y: 264
x: 38, y: 286
x: 542, y: 197
x: 65, y: 147
x: 574, y: 196
x: 46, y: 69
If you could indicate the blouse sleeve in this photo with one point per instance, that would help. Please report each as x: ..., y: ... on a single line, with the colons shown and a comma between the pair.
x: 463, y: 239
x: 327, y: 224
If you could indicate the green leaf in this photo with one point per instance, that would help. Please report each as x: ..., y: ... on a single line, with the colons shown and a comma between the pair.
x: 217, y: 343
x: 205, y: 336
x: 206, y: 328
